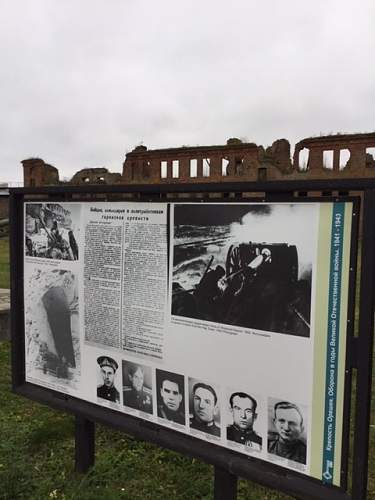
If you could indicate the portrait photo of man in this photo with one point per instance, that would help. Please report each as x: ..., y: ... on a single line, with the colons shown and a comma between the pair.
x: 287, y: 440
x: 204, y: 408
x: 137, y: 390
x: 106, y: 389
x: 170, y: 394
x: 243, y: 410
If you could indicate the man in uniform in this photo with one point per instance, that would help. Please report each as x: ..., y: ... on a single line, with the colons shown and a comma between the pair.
x: 107, y: 390
x: 137, y: 395
x: 286, y: 443
x: 243, y: 408
x: 204, y: 409
x: 171, y: 392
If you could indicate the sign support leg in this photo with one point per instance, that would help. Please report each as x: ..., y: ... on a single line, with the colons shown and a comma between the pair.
x: 225, y: 486
x: 84, y: 444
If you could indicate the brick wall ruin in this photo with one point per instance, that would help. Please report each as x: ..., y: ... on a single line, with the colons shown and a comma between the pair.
x: 332, y: 156
x: 351, y: 156
x: 38, y: 173
x: 95, y: 176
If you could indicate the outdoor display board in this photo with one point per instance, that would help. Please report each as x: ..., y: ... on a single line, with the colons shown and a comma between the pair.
x: 226, y: 322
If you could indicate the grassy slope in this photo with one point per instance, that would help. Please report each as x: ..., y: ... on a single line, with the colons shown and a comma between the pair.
x: 4, y: 263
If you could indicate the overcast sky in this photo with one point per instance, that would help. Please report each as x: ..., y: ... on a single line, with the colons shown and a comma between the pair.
x: 83, y: 82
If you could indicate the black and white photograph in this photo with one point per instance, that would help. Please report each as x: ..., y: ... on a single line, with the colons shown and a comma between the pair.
x: 107, y: 379
x: 204, y: 407
x: 287, y: 426
x: 52, y: 326
x: 137, y: 386
x: 243, y: 410
x: 170, y: 396
x: 246, y: 265
x: 52, y: 230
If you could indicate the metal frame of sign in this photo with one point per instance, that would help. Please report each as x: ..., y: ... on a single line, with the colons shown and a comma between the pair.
x: 228, y: 464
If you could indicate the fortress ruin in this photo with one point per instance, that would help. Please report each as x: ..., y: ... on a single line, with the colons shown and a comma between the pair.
x: 340, y: 156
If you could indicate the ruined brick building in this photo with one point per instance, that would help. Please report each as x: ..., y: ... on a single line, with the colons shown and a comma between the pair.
x: 328, y: 157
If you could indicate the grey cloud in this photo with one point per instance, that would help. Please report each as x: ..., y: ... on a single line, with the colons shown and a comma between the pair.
x: 82, y: 82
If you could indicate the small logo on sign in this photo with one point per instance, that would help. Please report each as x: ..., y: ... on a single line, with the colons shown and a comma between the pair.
x: 327, y: 474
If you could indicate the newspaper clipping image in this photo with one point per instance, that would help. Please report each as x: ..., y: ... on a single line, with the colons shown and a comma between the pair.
x: 125, y: 277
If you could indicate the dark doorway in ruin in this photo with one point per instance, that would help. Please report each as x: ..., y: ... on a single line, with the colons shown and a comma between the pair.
x: 262, y: 174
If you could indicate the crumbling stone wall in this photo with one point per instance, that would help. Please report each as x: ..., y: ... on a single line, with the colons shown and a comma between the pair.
x: 95, y: 176
x: 38, y: 173
x: 143, y: 166
x: 358, y: 165
x: 235, y: 161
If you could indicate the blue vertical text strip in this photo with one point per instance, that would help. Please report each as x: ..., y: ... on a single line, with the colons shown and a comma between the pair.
x: 333, y: 332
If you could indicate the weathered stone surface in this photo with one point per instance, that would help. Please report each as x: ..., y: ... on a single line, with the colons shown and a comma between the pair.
x: 355, y: 143
x: 95, y: 176
x: 241, y: 158
x: 38, y: 173
x: 235, y: 161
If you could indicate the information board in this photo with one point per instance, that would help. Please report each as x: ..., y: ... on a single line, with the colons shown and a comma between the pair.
x: 223, y: 321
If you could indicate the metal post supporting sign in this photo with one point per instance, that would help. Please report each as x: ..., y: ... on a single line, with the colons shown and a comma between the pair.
x: 84, y: 444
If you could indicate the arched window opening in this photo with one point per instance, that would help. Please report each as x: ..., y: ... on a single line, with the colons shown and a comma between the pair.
x: 344, y: 158
x: 206, y: 167
x: 224, y: 166
x: 163, y: 169
x: 303, y: 159
x: 370, y: 157
x: 328, y: 159
x: 175, y: 168
x: 193, y: 168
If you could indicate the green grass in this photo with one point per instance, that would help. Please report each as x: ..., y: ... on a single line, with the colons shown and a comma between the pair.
x: 37, y: 460
x: 4, y: 263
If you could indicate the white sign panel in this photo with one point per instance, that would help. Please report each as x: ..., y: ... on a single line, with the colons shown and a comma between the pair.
x: 212, y: 319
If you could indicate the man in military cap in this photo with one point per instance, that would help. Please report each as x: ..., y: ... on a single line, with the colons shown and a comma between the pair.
x: 171, y: 404
x: 243, y: 409
x: 137, y: 395
x: 107, y: 390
